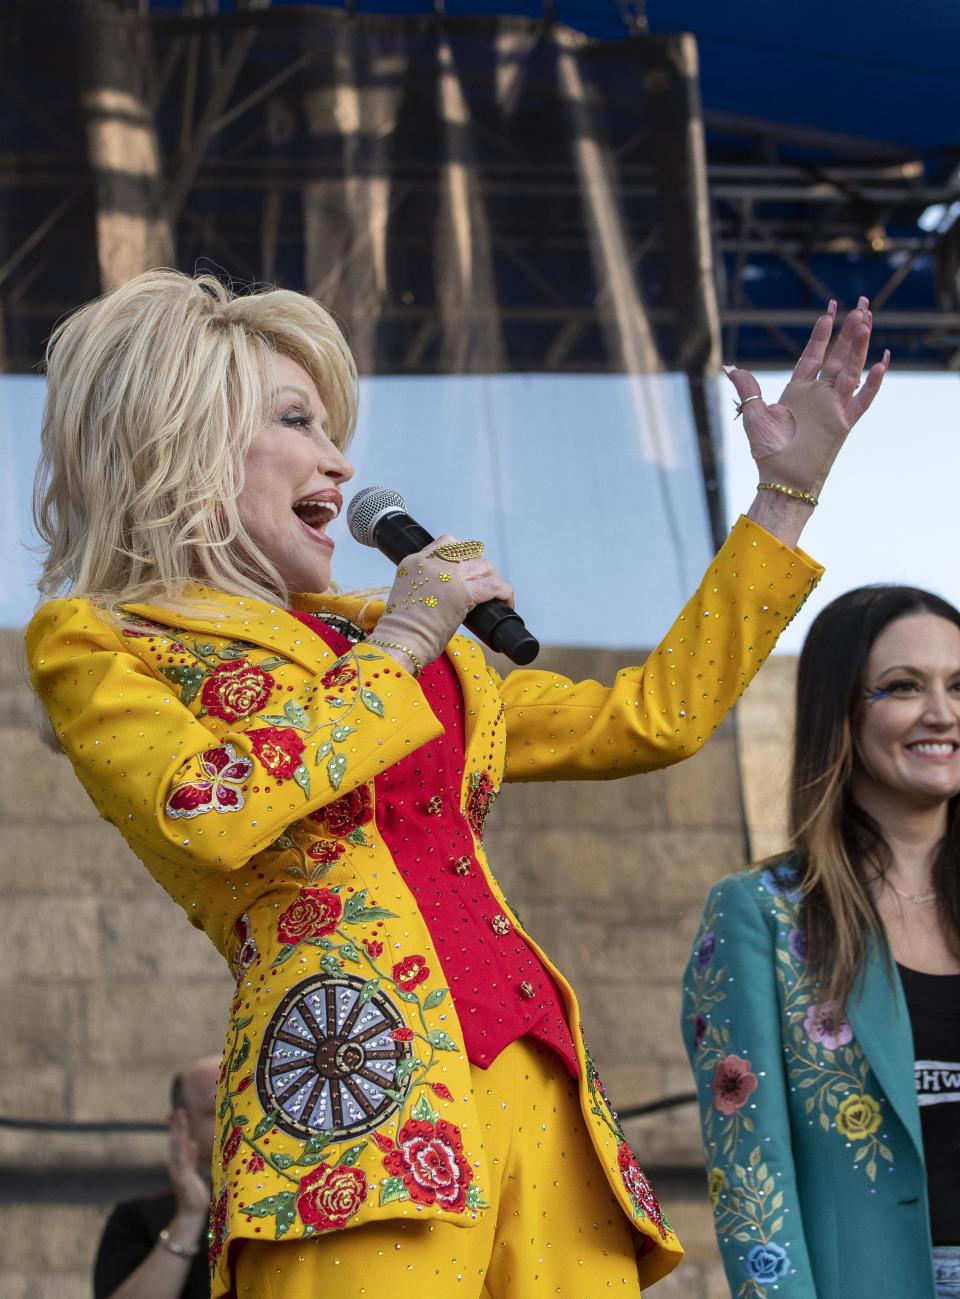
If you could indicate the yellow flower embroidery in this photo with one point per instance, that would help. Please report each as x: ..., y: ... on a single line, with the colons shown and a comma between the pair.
x: 858, y: 1117
x: 718, y: 1184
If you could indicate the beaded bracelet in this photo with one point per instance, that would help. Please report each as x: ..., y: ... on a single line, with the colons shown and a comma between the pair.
x: 389, y: 644
x: 795, y: 492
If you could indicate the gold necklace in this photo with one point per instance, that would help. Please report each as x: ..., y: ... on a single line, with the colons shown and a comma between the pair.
x: 918, y: 899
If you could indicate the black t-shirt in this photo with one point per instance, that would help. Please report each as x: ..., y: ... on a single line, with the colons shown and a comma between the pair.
x: 934, y: 1004
x: 131, y: 1232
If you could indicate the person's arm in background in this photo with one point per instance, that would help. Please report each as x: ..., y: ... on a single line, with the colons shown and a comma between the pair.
x: 732, y: 1031
x: 130, y: 1264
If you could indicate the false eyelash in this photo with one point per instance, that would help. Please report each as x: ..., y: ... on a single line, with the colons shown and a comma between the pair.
x: 873, y: 695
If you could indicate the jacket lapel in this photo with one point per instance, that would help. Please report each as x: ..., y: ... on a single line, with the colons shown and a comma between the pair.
x: 881, y: 1023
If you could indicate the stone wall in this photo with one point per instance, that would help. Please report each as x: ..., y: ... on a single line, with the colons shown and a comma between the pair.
x: 105, y: 990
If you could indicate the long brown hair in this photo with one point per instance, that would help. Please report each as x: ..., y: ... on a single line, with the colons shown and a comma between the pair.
x: 839, y: 848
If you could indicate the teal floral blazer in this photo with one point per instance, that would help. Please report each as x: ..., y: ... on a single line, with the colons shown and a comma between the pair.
x: 810, y: 1122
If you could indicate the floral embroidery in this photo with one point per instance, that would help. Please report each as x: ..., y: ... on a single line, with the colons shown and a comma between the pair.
x: 218, y: 1228
x: 410, y: 972
x: 637, y: 1186
x: 276, y: 750
x: 642, y: 1198
x: 827, y: 1024
x: 315, y: 912
x: 339, y: 675
x: 218, y: 788
x: 826, y: 1069
x: 430, y: 1164
x: 232, y: 1145
x: 858, y: 1117
x: 338, y: 1064
x: 733, y: 1084
x: 236, y: 690
x: 346, y: 814
x: 324, y: 853
x: 331, y: 1195
x: 479, y: 801
x: 247, y: 952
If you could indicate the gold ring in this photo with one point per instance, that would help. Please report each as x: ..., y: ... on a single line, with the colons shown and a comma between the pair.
x: 458, y: 552
x: 740, y: 404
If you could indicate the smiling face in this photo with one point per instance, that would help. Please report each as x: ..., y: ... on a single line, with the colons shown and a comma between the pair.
x: 292, y: 477
x: 907, y: 731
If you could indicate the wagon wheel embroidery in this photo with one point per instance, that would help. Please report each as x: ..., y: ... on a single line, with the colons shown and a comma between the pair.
x: 329, y: 1060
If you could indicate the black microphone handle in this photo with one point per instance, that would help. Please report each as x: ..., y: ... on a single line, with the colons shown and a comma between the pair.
x: 501, y: 628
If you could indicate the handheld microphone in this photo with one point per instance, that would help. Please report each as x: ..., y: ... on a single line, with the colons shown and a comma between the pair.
x: 378, y: 517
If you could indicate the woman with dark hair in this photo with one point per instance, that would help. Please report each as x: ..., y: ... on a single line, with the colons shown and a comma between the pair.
x: 822, y: 996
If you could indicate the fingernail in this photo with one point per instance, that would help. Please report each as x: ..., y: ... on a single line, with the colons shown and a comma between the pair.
x: 832, y: 307
x: 863, y: 303
x: 886, y: 356
x: 728, y: 369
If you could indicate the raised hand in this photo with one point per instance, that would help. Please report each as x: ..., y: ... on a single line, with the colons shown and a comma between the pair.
x: 191, y: 1190
x: 795, y: 441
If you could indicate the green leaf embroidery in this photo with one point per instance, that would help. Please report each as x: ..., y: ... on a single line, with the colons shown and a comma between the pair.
x: 241, y: 1120
x: 368, y: 990
x: 322, y: 751
x: 405, y: 1068
x: 267, y: 664
x: 330, y: 965
x: 334, y: 702
x: 282, y: 842
x: 356, y: 911
x: 284, y: 953
x: 441, y: 1040
x: 424, y: 1110
x: 336, y: 766
x: 224, y: 1107
x: 243, y: 1023
x: 264, y: 1126
x: 393, y: 1188
x: 358, y: 837
x: 434, y: 998
x: 375, y: 657
x: 349, y: 953
x: 203, y: 647
x: 302, y: 777
x: 189, y: 679
x: 281, y: 1207
x: 372, y: 702
x: 318, y: 1142
x: 275, y: 719
x: 281, y: 1160
x: 299, y: 717
x: 241, y: 1055
x: 340, y: 733
x: 475, y: 1198
x: 350, y: 1157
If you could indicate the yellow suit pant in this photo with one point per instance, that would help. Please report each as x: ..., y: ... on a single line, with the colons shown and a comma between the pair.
x: 553, y: 1226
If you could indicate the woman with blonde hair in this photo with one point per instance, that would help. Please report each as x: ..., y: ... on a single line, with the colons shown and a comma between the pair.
x: 822, y: 997
x: 406, y: 1100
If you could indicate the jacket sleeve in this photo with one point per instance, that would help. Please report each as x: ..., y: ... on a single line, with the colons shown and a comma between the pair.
x: 668, y: 708
x: 732, y: 1031
x: 176, y: 789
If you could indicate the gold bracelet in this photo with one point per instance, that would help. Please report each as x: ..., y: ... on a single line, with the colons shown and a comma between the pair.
x: 389, y: 644
x: 795, y: 492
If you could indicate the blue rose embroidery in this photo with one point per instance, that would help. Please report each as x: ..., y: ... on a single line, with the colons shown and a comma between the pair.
x: 767, y: 1263
x: 706, y: 949
x: 781, y: 881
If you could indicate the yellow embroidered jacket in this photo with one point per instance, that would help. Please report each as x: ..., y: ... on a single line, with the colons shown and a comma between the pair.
x: 236, y: 755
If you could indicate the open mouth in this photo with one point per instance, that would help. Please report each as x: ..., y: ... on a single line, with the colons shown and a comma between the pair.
x: 316, y: 513
x: 933, y: 748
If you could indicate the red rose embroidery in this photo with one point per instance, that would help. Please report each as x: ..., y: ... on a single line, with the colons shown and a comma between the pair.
x: 733, y: 1084
x: 236, y: 690
x: 330, y: 1196
x: 410, y: 972
x: 247, y: 952
x: 255, y: 1164
x: 232, y: 1145
x: 383, y: 1142
x: 216, y: 789
x: 326, y: 853
x: 347, y: 813
x: 278, y: 749
x: 430, y: 1160
x: 315, y: 913
x: 638, y: 1188
x: 374, y: 948
x: 403, y: 1035
x: 479, y: 801
x: 218, y: 1228
x: 341, y: 674
x: 244, y: 1083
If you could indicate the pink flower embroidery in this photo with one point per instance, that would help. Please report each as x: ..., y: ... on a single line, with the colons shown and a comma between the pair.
x: 733, y: 1084
x: 826, y: 1024
x: 637, y: 1186
x: 217, y: 789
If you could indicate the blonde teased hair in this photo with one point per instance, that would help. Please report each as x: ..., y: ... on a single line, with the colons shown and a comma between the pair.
x: 154, y: 393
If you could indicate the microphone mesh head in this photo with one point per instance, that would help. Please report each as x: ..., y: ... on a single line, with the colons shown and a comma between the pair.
x: 367, y: 509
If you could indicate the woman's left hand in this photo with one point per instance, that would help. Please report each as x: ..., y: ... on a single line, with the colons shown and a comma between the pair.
x: 796, y: 440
